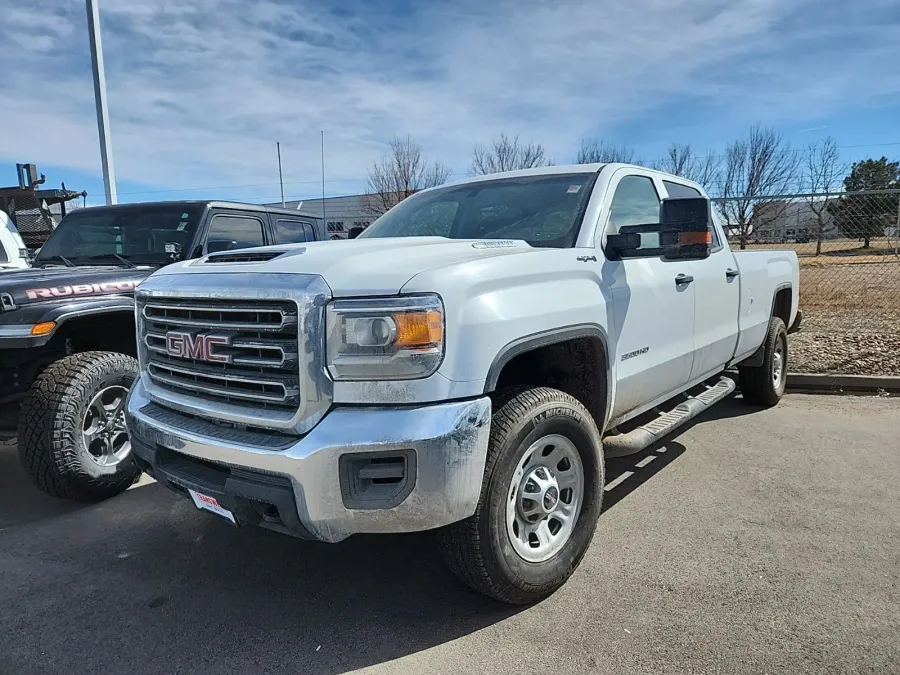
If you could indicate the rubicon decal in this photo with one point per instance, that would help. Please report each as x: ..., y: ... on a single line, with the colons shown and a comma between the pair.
x: 81, y: 289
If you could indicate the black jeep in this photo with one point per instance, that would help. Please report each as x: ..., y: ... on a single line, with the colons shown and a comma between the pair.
x: 67, y: 334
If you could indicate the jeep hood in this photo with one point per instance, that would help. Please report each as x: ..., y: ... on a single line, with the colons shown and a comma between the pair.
x: 51, y: 284
x: 359, y: 266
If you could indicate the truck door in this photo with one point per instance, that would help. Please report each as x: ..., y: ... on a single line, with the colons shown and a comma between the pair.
x: 716, y: 306
x: 652, y: 300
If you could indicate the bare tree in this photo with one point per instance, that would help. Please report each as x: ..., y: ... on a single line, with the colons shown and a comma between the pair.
x: 506, y: 153
x: 757, y: 166
x: 681, y: 160
x: 598, y: 151
x: 400, y: 172
x: 824, y: 173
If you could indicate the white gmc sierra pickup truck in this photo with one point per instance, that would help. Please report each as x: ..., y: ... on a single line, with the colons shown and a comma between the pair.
x: 465, y: 364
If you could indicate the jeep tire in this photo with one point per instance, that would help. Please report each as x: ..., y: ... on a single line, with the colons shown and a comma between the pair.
x: 540, y: 498
x: 71, y: 427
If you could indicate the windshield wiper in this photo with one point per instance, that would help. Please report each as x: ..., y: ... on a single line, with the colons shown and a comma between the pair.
x: 65, y: 261
x: 124, y: 261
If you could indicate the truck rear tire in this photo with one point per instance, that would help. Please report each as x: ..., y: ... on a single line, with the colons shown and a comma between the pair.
x: 764, y: 384
x: 72, y: 438
x: 540, y: 498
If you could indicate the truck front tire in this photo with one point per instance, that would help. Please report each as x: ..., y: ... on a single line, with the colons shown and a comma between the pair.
x: 764, y: 384
x: 540, y: 498
x: 72, y: 439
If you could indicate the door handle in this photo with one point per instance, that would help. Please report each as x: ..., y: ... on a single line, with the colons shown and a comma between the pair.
x: 683, y: 279
x: 731, y: 274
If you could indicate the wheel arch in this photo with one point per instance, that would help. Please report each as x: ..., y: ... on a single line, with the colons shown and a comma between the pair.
x: 781, y: 307
x: 533, y: 360
x: 79, y: 324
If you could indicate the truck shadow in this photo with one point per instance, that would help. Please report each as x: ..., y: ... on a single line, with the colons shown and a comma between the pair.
x: 624, y: 475
x: 147, y: 583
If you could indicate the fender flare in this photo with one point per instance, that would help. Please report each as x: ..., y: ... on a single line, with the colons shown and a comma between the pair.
x: 60, y: 315
x: 549, y: 337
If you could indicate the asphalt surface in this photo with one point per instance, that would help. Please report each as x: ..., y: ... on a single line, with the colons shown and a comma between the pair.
x: 758, y: 542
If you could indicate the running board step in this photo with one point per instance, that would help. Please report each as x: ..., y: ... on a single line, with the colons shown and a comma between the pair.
x: 620, y: 445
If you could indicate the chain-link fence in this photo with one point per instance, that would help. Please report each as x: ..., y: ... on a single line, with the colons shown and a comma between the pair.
x: 849, y: 250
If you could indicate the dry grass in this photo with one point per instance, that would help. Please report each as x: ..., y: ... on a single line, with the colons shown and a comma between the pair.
x: 840, y: 248
x: 854, y: 287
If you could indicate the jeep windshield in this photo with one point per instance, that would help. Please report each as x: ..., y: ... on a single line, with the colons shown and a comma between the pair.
x: 122, y: 236
x: 543, y: 210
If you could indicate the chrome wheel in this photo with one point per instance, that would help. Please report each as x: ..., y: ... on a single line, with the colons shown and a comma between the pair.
x: 544, y: 498
x: 778, y: 361
x: 103, y: 427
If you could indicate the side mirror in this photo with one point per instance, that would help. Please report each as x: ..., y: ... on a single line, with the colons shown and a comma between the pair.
x: 682, y: 233
x: 354, y: 232
x: 216, y: 245
x: 686, y: 224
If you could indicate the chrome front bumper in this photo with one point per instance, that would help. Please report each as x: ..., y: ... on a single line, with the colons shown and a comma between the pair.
x: 446, y: 443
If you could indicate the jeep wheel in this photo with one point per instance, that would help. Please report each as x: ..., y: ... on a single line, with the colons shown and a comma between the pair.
x: 72, y: 437
x: 540, y: 499
x: 764, y: 384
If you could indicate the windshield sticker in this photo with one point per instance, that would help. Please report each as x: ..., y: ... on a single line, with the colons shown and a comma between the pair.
x: 495, y: 243
x: 81, y: 289
x: 573, y: 189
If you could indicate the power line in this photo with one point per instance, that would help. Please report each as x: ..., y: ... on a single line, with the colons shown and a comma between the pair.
x: 455, y: 174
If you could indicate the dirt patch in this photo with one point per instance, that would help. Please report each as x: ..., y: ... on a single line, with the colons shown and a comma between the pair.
x: 846, y: 342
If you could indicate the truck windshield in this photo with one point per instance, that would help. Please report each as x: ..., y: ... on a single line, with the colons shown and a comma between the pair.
x: 121, y: 235
x: 544, y: 210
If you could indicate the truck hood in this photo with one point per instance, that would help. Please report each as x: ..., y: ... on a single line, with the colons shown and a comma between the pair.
x: 52, y: 284
x: 361, y: 266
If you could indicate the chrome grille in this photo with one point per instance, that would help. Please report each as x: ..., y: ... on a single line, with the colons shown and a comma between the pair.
x: 255, y: 362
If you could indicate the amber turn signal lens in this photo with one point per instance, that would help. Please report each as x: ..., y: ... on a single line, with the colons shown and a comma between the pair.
x: 418, y: 329
x: 43, y: 328
x: 695, y: 238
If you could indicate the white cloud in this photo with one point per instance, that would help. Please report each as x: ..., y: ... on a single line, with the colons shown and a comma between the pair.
x: 199, y: 93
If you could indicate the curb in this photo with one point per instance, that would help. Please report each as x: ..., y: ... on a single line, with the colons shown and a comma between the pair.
x: 836, y: 384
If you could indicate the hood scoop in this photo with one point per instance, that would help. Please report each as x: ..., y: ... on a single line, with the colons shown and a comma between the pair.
x: 242, y: 257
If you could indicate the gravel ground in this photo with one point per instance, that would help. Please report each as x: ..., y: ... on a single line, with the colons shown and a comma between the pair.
x: 846, y: 342
x: 759, y: 541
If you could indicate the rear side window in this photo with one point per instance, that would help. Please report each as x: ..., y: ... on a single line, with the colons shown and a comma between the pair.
x: 293, y: 231
x: 244, y: 231
x: 679, y: 190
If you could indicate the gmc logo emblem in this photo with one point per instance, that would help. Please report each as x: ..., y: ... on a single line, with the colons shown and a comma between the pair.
x: 203, y: 347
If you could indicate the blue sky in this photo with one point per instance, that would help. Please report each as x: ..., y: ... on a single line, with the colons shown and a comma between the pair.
x: 200, y: 90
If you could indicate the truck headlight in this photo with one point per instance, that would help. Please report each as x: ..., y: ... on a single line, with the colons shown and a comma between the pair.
x: 385, y: 338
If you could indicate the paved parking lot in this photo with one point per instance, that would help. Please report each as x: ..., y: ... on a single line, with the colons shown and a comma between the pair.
x: 757, y: 541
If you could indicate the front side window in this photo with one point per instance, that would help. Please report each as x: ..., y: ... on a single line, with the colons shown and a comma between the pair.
x: 240, y: 231
x: 635, y: 209
x: 543, y: 210
x: 635, y: 202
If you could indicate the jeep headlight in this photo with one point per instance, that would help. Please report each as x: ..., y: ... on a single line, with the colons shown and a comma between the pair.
x: 385, y: 338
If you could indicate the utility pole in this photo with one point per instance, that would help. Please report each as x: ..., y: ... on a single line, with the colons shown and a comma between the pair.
x: 109, y: 174
x: 280, y: 177
x: 323, y: 181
